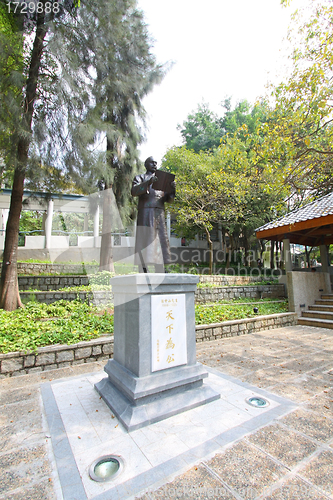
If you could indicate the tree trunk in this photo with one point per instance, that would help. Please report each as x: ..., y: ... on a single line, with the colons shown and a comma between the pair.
x: 210, y: 243
x: 262, y: 250
x: 246, y: 252
x: 9, y: 293
x: 106, y: 254
x: 308, y: 254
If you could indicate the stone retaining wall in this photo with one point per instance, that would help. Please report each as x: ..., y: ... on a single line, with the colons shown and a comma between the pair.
x: 35, y: 269
x: 225, y: 280
x: 244, y: 326
x: 202, y: 295
x: 101, y: 349
x: 213, y: 294
x: 57, y: 281
x: 57, y: 356
x: 45, y: 283
x: 97, y: 298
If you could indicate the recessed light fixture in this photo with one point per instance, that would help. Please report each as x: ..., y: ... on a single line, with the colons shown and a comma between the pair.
x: 106, y: 468
x: 257, y: 402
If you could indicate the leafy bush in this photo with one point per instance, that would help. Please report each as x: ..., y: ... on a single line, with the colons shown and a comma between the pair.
x: 217, y: 313
x: 62, y: 322
x: 102, y: 278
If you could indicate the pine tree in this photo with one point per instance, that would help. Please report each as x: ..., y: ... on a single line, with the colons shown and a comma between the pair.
x: 124, y: 70
x: 81, y: 81
x: 28, y: 76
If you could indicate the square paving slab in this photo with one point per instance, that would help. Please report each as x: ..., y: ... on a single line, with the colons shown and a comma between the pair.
x: 83, y: 428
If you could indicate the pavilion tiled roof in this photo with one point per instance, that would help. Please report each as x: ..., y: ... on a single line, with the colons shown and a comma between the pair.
x: 319, y: 208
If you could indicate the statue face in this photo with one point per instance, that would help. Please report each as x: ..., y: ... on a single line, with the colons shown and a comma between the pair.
x: 151, y: 165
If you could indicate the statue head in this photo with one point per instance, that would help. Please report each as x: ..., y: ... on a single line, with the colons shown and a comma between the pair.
x: 151, y: 164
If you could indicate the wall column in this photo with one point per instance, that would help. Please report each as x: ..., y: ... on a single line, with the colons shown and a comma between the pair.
x: 48, y: 224
x: 3, y: 220
x: 96, y: 226
x: 287, y: 255
x: 324, y: 258
x: 168, y: 224
x: 85, y: 223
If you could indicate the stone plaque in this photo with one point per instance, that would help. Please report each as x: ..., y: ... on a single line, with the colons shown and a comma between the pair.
x: 168, y: 331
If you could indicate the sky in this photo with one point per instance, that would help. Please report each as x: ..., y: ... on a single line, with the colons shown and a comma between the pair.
x: 218, y: 49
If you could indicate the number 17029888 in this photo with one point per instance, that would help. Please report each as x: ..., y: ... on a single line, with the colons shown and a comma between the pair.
x: 31, y: 7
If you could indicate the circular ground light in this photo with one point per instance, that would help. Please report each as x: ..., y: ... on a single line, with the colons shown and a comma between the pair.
x: 106, y: 468
x: 257, y: 402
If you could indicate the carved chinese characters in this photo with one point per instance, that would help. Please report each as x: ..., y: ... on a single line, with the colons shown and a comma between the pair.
x: 168, y: 332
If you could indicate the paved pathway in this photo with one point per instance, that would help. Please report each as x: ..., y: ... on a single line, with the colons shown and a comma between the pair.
x: 291, y: 458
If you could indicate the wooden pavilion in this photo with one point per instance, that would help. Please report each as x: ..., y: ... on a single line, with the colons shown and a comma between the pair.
x: 311, y: 225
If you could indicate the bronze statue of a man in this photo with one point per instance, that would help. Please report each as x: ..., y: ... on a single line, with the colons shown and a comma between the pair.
x: 151, y: 244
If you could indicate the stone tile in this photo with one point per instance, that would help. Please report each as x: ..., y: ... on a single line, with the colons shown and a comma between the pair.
x: 21, y: 410
x: 268, y: 377
x: 165, y: 449
x: 292, y: 390
x: 22, y: 456
x: 322, y: 403
x: 311, y: 384
x: 319, y: 472
x: 17, y: 395
x: 20, y: 427
x: 235, y: 371
x: 325, y: 376
x: 285, y: 445
x: 314, y: 426
x: 43, y: 490
x: 251, y: 364
x: 21, y: 467
x: 246, y: 469
x: 197, y: 483
x: 303, y: 364
x: 294, y: 489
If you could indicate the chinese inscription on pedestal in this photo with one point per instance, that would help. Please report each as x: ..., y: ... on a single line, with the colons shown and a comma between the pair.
x: 168, y: 319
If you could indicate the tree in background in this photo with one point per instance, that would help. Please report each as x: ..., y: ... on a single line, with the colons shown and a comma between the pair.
x: 231, y: 140
x: 296, y: 141
x: 11, y: 68
x: 25, y: 74
x: 83, y: 76
x: 207, y: 192
x: 122, y: 70
x: 203, y: 130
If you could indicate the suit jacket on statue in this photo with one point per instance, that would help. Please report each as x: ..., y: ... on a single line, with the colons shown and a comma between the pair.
x: 151, y: 243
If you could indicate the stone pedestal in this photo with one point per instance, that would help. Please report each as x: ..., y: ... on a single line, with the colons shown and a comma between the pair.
x: 154, y: 374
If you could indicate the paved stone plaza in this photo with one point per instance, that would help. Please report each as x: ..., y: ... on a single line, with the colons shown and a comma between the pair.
x: 54, y: 424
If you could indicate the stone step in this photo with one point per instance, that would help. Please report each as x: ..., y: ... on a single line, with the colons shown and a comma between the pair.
x: 318, y: 314
x: 318, y: 323
x: 327, y: 296
x: 321, y: 308
x: 323, y: 302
